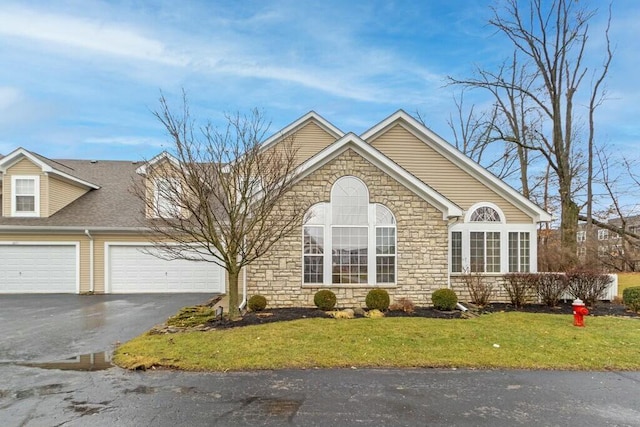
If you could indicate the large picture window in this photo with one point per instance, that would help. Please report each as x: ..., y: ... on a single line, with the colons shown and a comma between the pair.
x: 359, y: 236
x: 519, y: 252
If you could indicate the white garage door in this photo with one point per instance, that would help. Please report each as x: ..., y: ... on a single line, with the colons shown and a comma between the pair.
x: 132, y: 269
x: 31, y: 268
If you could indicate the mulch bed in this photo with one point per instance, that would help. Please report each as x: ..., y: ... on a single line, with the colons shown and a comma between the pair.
x: 285, y: 314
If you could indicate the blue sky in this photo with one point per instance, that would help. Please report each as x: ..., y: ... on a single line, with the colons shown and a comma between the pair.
x: 78, y: 79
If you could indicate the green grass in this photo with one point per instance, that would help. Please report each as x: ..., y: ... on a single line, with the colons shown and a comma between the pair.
x: 525, y: 340
x: 627, y: 280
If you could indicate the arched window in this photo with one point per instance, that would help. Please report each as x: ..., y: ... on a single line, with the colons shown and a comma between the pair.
x: 360, y: 236
x: 485, y: 214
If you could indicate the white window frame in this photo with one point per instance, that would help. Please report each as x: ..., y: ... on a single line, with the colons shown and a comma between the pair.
x: 466, y: 227
x: 36, y: 196
x: 171, y: 210
x: 325, y: 219
x: 581, y: 236
x: 603, y: 234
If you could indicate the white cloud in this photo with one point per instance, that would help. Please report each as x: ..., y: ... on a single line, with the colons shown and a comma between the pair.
x: 93, y: 35
x: 126, y: 141
x: 9, y: 98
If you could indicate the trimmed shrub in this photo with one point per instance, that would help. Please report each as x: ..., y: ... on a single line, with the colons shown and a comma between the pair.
x: 479, y: 290
x: 550, y: 287
x: 377, y: 299
x: 257, y: 303
x: 444, y: 299
x: 403, y: 304
x: 588, y: 285
x: 324, y: 299
x: 519, y: 287
x: 631, y: 298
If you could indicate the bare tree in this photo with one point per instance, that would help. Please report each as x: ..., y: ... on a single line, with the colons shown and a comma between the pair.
x: 552, y: 40
x: 223, y: 198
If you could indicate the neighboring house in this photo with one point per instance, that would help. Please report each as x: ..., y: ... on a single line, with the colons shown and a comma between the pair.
x: 612, y: 250
x: 396, y: 207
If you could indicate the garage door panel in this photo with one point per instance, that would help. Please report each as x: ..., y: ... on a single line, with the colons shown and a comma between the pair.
x: 134, y: 269
x: 27, y: 268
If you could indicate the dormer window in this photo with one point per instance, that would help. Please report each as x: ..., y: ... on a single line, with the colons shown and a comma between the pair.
x: 26, y: 195
x: 166, y: 198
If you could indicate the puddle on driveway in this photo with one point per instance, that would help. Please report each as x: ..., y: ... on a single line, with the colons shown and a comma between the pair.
x: 84, y: 362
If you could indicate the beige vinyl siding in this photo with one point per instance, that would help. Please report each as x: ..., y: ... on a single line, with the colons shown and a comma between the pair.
x: 23, y: 167
x: 61, y: 194
x: 431, y: 167
x: 53, y: 237
x: 309, y: 140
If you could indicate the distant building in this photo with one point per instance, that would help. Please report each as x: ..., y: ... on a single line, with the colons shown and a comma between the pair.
x: 617, y: 251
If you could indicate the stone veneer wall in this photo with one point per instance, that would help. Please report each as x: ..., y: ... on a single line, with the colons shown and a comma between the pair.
x: 422, y: 241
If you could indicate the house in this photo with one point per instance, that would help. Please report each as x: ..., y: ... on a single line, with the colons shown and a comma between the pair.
x: 613, y: 251
x: 396, y: 207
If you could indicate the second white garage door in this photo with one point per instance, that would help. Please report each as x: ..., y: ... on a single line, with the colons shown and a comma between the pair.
x: 132, y: 269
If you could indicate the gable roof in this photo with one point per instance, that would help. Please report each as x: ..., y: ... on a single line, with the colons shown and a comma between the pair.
x: 47, y: 165
x: 142, y: 170
x: 301, y: 122
x: 455, y: 156
x: 378, y: 159
x: 112, y: 206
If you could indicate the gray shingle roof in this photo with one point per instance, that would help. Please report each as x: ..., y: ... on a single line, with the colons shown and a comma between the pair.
x: 113, y: 205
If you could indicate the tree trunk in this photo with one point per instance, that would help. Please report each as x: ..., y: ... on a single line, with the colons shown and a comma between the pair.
x: 234, y: 300
x: 569, y: 228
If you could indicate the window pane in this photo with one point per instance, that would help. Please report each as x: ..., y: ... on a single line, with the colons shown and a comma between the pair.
x: 476, y: 251
x: 525, y: 252
x: 313, y: 269
x: 385, y: 269
x: 350, y: 202
x: 456, y: 252
x: 25, y: 187
x: 313, y: 240
x: 514, y: 252
x: 350, y: 254
x: 25, y: 203
x: 485, y: 214
x: 493, y: 252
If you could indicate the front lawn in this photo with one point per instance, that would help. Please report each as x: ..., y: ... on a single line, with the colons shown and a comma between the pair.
x: 510, y: 340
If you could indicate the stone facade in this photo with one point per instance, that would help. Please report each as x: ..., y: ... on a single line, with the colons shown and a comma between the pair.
x: 422, y: 240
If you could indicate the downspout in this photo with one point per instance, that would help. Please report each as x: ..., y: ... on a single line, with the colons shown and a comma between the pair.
x: 244, y: 288
x: 91, y: 280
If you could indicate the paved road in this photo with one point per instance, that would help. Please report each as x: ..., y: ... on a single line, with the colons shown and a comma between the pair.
x: 31, y: 396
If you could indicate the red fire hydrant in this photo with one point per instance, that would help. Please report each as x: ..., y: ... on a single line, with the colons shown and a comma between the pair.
x: 579, y: 311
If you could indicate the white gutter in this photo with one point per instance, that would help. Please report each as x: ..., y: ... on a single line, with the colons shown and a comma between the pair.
x: 91, y: 279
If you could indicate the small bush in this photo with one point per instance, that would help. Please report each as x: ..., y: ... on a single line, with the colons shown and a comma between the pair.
x: 257, y: 303
x: 588, y: 285
x: 403, y: 304
x: 519, y: 287
x: 550, y: 287
x: 377, y: 299
x: 631, y: 298
x: 444, y: 299
x: 324, y: 299
x: 479, y: 290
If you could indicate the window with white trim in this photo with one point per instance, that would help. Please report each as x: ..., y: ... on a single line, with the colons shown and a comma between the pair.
x: 603, y: 234
x: 519, y: 252
x: 166, y: 197
x: 26, y: 195
x: 581, y: 236
x: 359, y: 236
x: 484, y: 243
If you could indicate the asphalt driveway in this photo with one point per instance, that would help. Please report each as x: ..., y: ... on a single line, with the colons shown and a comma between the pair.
x: 46, y: 328
x: 37, y: 329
